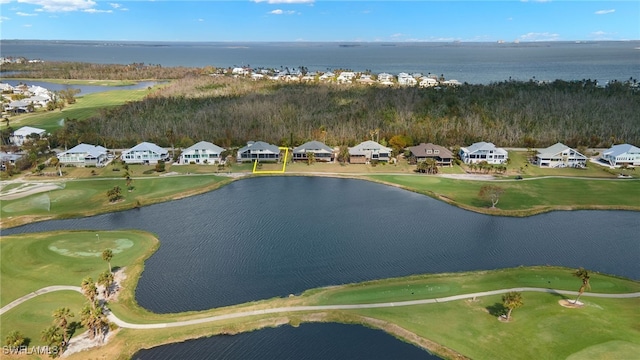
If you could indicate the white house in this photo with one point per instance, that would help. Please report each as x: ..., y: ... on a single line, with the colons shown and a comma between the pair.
x: 20, y: 136
x: 83, y: 155
x: 483, y: 151
x: 560, y: 155
x: 622, y: 154
x: 321, y: 151
x: 144, y: 153
x: 346, y: 77
x: 201, y: 153
x: 260, y: 151
x: 428, y: 82
x: 405, y: 79
x: 367, y: 151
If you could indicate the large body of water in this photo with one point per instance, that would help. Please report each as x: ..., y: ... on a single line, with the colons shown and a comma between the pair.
x: 273, y: 236
x: 476, y: 63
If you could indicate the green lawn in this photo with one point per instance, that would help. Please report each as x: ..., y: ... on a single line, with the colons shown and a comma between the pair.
x: 85, y: 197
x: 527, y: 196
x: 32, y: 261
x: 85, y: 107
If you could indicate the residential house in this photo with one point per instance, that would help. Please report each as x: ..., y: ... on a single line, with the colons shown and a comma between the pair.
x: 84, y: 155
x: 483, y: 151
x: 326, y: 77
x: 260, y: 151
x: 8, y: 158
x: 385, y: 77
x: 145, y: 153
x: 440, y: 154
x: 20, y: 136
x: 321, y: 151
x: 201, y: 153
x: 368, y: 151
x: 405, y: 79
x: 346, y: 77
x: 622, y: 154
x: 560, y: 155
x: 428, y: 82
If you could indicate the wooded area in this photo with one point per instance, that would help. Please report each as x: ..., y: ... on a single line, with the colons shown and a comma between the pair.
x: 230, y: 111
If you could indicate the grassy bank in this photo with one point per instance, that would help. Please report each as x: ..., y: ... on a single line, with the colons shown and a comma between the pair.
x: 85, y: 197
x: 525, y: 197
x: 467, y: 327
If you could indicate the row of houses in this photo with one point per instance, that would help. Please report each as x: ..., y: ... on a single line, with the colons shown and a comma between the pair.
x: 555, y: 156
x: 347, y: 77
x: 32, y: 97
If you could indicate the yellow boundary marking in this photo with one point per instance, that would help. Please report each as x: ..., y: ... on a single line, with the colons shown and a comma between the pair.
x: 284, y: 164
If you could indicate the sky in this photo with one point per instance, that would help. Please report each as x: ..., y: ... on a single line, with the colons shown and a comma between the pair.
x: 320, y: 20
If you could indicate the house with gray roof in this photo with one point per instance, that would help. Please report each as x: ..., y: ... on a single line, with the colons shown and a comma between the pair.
x: 21, y: 135
x: 84, y: 155
x: 145, y: 153
x: 622, y: 154
x: 7, y: 159
x: 483, y: 151
x: 422, y: 152
x: 560, y: 155
x: 320, y: 150
x: 260, y: 151
x: 203, y: 152
x: 367, y: 151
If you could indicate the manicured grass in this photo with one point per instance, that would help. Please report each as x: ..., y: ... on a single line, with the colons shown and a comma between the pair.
x: 518, y: 164
x: 85, y: 107
x: 32, y: 261
x: 540, y: 329
x: 442, y: 285
x: 525, y: 197
x: 88, y: 197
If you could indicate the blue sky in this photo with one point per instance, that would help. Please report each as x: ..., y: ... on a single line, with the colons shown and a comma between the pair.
x: 320, y: 20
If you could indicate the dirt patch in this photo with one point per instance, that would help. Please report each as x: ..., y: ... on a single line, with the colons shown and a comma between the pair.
x: 571, y: 304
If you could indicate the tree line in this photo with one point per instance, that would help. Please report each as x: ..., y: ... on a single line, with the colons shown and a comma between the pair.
x: 231, y: 111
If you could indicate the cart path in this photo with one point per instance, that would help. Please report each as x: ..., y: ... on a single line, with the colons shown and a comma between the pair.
x: 239, y: 314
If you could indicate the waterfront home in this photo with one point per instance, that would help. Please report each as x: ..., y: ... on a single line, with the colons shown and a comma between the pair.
x: 145, y: 153
x: 346, y: 77
x: 260, y: 151
x: 560, y: 155
x: 483, y: 151
x: 84, y: 155
x: 440, y: 154
x: 320, y: 151
x: 328, y: 76
x: 201, y: 153
x: 385, y: 77
x: 21, y: 135
x: 8, y: 158
x: 18, y: 106
x: 622, y: 154
x: 428, y: 82
x: 405, y: 79
x: 367, y: 151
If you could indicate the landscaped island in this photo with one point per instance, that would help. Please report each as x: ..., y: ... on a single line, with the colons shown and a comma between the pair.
x: 455, y: 302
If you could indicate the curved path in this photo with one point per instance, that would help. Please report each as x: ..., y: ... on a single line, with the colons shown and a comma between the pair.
x: 239, y: 314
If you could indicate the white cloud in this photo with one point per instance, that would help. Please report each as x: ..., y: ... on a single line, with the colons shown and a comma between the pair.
x: 4, y: 18
x: 285, y: 1
x: 25, y: 14
x: 96, y: 11
x: 61, y: 5
x: 603, y: 12
x: 602, y: 35
x: 532, y: 36
x: 281, y: 12
x: 115, y: 5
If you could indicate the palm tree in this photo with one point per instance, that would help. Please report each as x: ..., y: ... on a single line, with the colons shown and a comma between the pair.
x: 94, y: 320
x: 343, y: 154
x: 107, y: 255
x: 584, y: 276
x: 15, y: 339
x: 51, y: 336
x: 89, y: 289
x: 106, y: 279
x: 61, y: 316
x: 512, y: 300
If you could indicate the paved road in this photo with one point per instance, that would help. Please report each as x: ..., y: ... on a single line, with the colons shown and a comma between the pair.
x: 239, y: 314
